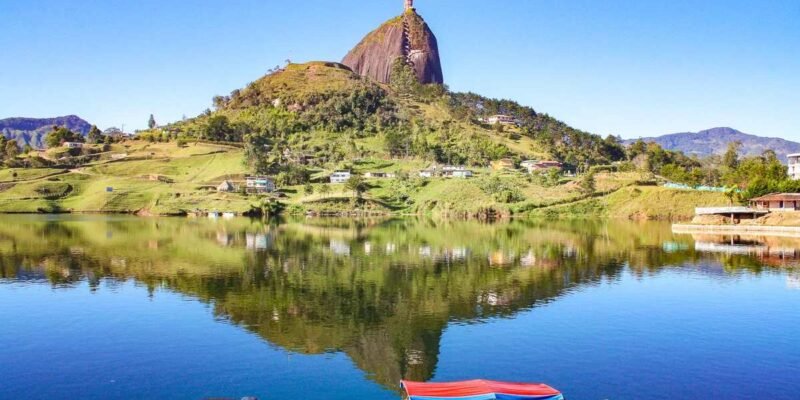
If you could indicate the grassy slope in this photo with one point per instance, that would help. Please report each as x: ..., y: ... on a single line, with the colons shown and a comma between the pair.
x: 86, y: 191
x: 637, y: 203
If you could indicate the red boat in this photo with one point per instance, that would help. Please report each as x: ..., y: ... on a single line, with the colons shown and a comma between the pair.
x: 479, y: 390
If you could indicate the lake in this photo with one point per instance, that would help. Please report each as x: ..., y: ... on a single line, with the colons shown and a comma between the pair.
x: 113, y: 307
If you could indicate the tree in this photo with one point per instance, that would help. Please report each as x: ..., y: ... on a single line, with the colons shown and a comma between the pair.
x: 95, y: 135
x: 731, y: 157
x: 324, y: 190
x: 588, y: 184
x: 357, y: 185
x: 218, y: 128
x: 60, y: 135
x: 11, y: 149
x: 308, y: 189
x: 151, y: 123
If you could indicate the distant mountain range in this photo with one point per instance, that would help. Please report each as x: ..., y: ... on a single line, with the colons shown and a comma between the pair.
x: 715, y: 141
x: 33, y: 130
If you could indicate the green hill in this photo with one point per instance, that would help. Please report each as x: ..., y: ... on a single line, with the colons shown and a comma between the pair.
x: 302, y: 122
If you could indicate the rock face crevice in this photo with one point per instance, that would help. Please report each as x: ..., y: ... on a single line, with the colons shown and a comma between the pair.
x: 407, y: 37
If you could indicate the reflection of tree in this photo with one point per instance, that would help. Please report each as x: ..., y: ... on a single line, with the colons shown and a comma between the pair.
x: 385, y: 301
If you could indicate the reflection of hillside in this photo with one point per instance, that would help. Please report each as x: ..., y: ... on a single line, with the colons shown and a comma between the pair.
x: 380, y: 291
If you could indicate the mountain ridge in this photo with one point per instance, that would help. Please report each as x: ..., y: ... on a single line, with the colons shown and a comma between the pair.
x: 714, y: 141
x: 31, y: 131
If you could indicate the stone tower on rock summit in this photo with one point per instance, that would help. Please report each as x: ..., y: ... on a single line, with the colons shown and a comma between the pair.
x: 407, y: 37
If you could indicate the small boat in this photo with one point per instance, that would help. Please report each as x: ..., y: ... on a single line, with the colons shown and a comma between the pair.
x: 479, y: 390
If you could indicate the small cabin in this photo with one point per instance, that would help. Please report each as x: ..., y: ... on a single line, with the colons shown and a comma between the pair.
x: 73, y: 145
x: 542, y: 166
x: 259, y: 184
x: 341, y: 176
x: 226, y: 186
x: 379, y: 175
x: 427, y: 173
x: 457, y: 173
x: 502, y: 120
x: 777, y: 202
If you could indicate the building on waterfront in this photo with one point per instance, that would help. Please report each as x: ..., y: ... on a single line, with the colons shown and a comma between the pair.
x: 259, y: 184
x: 340, y: 176
x: 794, y: 166
x: 777, y: 202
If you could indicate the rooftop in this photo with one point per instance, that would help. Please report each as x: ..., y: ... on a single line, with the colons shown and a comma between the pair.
x: 779, y: 197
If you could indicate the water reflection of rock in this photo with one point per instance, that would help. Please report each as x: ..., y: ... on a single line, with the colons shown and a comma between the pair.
x: 381, y: 291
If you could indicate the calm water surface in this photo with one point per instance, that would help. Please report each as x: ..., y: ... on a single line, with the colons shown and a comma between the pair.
x: 115, y: 307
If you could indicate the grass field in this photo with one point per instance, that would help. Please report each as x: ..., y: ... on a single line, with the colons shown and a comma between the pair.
x: 163, y: 179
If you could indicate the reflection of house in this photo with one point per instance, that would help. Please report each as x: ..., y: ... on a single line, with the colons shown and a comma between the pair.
x: 257, y: 241
x: 340, y: 176
x: 777, y: 202
x: 339, y: 247
x: 259, y: 184
x: 500, y: 258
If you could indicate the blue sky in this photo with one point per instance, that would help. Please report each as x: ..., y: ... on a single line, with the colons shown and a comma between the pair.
x: 632, y: 68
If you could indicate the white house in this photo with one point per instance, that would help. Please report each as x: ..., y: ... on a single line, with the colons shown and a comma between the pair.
x: 427, y: 173
x: 528, y: 164
x: 794, y: 166
x: 502, y: 119
x: 259, y: 184
x: 456, y: 172
x: 380, y: 175
x: 340, y: 176
x: 73, y: 145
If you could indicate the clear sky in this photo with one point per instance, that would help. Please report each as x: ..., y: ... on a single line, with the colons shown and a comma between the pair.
x: 633, y: 68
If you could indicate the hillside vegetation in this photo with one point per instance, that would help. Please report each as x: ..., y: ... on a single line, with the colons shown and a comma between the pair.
x: 300, y: 123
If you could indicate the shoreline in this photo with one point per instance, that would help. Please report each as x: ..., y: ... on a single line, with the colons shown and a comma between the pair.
x: 772, y: 230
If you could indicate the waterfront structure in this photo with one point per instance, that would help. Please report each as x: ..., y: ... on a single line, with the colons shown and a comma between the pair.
x: 777, y: 202
x: 794, y: 166
x: 340, y: 176
x: 259, y: 184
